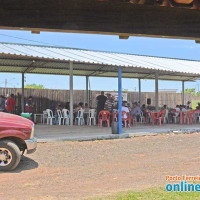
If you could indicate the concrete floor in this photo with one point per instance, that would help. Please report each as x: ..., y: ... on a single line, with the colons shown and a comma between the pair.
x: 47, y: 133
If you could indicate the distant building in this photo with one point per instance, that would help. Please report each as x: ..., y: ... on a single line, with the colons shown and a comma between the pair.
x: 168, y: 90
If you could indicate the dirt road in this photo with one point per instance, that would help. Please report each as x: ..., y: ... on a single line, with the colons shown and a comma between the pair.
x: 78, y: 170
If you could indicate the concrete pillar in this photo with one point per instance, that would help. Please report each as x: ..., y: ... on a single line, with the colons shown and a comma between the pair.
x: 22, y: 97
x: 87, y: 90
x: 139, y: 94
x: 156, y: 92
x: 183, y: 92
x: 71, y: 92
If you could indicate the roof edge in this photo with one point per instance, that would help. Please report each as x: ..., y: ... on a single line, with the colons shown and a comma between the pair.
x: 62, y: 47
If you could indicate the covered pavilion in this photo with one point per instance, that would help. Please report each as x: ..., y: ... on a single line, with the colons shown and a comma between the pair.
x: 36, y: 59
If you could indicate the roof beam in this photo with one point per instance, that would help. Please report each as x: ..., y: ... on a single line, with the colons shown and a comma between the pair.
x: 143, y: 75
x: 30, y: 68
x: 100, y: 75
x: 96, y: 71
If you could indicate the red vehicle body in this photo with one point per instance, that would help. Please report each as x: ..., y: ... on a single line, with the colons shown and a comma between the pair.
x: 16, y: 136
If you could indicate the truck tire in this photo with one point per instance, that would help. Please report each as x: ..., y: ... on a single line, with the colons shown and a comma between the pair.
x: 9, y: 155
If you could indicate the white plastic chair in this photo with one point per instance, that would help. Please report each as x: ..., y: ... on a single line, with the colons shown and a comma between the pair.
x: 142, y: 118
x: 66, y: 117
x: 45, y: 116
x: 80, y: 118
x: 50, y: 117
x: 92, y: 117
x: 60, y: 117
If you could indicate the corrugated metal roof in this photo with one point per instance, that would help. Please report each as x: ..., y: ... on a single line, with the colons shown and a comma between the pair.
x: 55, y: 60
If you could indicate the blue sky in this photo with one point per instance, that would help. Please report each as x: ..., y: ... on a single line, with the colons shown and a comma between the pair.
x: 186, y: 49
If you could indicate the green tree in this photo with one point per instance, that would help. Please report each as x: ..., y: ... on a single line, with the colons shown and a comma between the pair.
x: 125, y: 90
x: 34, y: 86
x: 190, y: 91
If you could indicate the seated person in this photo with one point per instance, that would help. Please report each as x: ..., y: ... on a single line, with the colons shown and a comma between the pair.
x: 86, y: 108
x: 67, y: 106
x: 77, y: 108
x: 55, y: 113
x: 124, y: 108
x: 164, y: 108
x: 183, y: 108
x: 177, y: 109
x: 198, y: 107
x: 144, y: 109
x: 2, y: 104
x: 136, y: 111
x: 129, y: 107
x: 30, y: 107
x: 86, y: 112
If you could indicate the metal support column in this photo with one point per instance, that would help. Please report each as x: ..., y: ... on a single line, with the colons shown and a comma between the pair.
x: 71, y: 92
x: 156, y: 92
x: 139, y: 94
x: 22, y: 97
x: 120, y: 99
x: 87, y: 90
x: 183, y: 92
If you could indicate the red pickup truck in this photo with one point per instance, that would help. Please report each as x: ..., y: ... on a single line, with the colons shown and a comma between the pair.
x: 16, y: 136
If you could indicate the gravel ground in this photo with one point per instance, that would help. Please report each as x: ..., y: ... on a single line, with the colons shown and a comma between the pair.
x: 79, y: 170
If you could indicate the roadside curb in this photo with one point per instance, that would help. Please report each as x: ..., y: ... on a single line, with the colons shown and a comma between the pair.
x: 113, y: 136
x: 80, y: 139
x: 172, y: 131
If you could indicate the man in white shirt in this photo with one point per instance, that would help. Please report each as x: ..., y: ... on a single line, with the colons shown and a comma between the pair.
x: 183, y: 109
x: 177, y: 111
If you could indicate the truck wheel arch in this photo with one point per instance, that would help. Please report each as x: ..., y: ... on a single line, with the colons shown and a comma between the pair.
x: 18, y: 141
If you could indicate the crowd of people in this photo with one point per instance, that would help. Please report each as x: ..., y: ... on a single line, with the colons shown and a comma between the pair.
x: 108, y: 103
x: 7, y: 103
x: 76, y: 108
x: 103, y: 102
x: 135, y: 111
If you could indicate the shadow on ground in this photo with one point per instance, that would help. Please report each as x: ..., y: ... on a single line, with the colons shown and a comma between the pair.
x: 25, y: 164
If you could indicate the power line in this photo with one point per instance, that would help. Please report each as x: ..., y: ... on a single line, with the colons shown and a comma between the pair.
x: 25, y: 39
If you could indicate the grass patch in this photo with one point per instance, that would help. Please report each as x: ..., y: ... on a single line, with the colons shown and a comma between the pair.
x: 152, y: 194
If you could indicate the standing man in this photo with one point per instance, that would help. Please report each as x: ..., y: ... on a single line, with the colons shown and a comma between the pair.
x: 109, y: 103
x: 10, y: 103
x: 101, y: 99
